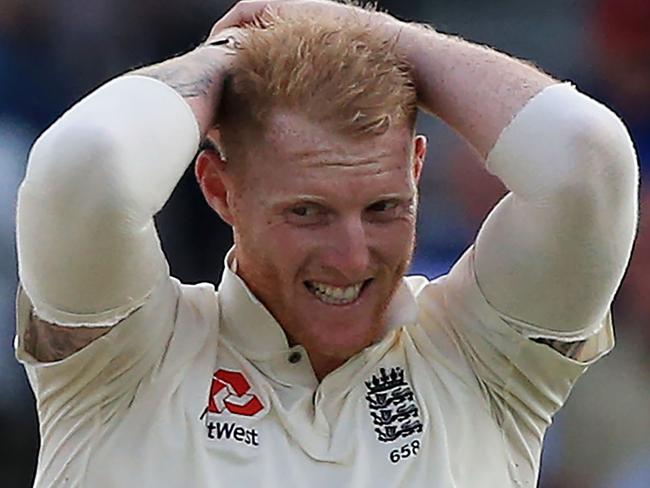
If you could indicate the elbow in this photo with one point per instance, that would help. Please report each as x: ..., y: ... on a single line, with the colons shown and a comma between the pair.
x: 608, y: 193
x: 604, y: 151
x: 68, y: 155
x: 75, y: 171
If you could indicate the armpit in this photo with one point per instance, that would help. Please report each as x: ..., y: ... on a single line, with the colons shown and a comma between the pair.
x: 584, y: 350
x: 571, y: 350
x: 48, y: 342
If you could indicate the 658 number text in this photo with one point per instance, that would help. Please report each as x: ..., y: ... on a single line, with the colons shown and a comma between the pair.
x: 404, y: 452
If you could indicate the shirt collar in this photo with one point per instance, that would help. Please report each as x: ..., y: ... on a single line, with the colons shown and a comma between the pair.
x: 251, y: 328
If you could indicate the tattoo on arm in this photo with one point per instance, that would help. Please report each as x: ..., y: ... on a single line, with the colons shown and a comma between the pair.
x: 190, y: 76
x: 181, y: 78
x: 49, y: 342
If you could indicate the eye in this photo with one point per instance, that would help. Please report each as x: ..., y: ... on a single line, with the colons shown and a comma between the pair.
x: 304, y: 211
x: 306, y: 214
x: 383, y: 206
x: 386, y: 210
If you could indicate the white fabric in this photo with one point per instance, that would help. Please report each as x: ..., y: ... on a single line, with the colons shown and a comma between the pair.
x: 552, y: 253
x: 130, y: 409
x: 87, y: 246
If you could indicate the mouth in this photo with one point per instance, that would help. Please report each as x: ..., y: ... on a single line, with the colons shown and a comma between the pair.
x: 334, y: 295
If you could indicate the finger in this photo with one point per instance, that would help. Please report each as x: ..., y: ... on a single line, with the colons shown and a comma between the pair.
x: 229, y: 37
x: 243, y: 13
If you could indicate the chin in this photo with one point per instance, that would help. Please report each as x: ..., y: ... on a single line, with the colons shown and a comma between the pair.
x: 342, y: 344
x: 339, y: 334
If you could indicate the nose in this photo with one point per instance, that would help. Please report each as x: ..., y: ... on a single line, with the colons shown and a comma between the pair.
x: 348, y: 252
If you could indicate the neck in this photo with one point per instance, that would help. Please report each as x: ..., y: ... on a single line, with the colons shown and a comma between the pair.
x: 324, y: 365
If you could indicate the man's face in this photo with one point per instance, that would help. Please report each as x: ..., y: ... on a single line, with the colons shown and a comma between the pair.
x: 325, y: 228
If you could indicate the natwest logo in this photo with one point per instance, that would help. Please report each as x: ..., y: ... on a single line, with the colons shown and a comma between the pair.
x: 231, y: 391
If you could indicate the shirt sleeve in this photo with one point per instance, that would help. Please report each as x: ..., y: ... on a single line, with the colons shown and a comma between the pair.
x: 89, y: 254
x: 110, y: 367
x: 140, y: 359
x: 522, y: 381
x: 551, y: 255
x: 526, y: 309
x: 88, y: 250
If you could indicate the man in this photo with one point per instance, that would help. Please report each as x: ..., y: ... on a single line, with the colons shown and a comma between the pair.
x: 316, y: 363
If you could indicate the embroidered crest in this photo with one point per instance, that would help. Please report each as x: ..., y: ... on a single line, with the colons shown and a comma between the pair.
x: 393, y: 409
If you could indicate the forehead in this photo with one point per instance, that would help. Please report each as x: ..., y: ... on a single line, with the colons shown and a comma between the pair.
x: 296, y: 137
x: 295, y: 151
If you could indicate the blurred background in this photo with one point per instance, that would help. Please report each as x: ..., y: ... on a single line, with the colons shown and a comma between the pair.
x: 52, y: 52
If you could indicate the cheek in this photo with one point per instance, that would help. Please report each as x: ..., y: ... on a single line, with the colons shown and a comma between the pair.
x: 395, y: 241
x: 280, y: 247
x: 288, y: 249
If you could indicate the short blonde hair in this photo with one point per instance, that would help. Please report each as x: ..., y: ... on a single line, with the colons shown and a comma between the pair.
x: 341, y: 73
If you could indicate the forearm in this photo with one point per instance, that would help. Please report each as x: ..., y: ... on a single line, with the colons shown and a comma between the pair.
x: 197, y: 77
x: 87, y: 246
x: 474, y: 89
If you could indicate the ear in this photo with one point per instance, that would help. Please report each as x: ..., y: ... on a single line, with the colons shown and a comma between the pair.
x: 215, y: 182
x: 419, y: 155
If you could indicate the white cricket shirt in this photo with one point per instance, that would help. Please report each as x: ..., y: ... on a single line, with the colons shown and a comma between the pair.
x: 200, y: 389
x: 197, y: 388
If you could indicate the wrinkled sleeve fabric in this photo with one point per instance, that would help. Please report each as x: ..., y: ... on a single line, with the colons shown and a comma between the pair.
x: 551, y: 255
x: 525, y: 310
x: 521, y: 383
x: 89, y: 254
x: 143, y: 358
x: 88, y: 250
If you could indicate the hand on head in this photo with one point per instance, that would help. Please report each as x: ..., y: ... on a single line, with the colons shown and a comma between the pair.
x: 255, y: 11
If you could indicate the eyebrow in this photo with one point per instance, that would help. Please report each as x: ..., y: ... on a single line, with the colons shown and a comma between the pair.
x: 284, y: 200
x: 308, y: 198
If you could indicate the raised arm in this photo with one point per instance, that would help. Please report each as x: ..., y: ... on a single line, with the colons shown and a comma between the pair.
x: 88, y: 251
x: 551, y: 255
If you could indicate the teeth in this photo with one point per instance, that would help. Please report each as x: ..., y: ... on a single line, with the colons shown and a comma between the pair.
x: 334, y: 295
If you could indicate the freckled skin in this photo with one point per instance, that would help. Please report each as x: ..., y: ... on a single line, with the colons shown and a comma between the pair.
x: 310, y: 205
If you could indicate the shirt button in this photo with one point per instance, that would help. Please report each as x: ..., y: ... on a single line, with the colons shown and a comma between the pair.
x: 295, y: 357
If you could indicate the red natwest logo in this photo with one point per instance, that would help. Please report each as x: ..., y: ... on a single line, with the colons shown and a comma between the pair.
x: 231, y: 391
